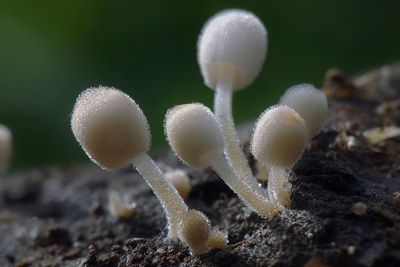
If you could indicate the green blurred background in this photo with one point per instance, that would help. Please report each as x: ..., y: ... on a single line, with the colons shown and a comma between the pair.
x: 51, y: 50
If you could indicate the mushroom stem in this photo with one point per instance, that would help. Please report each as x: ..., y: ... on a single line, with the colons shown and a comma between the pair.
x: 5, y: 148
x: 251, y: 198
x: 223, y: 112
x: 279, y: 187
x: 166, y: 193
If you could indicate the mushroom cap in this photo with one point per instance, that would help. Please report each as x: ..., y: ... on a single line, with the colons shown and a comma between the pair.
x: 193, y: 132
x: 110, y: 127
x: 5, y: 147
x: 194, y: 231
x: 279, y: 137
x: 233, y: 41
x: 309, y: 103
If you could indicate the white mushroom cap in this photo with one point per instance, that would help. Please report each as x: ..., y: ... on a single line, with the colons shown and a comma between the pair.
x: 309, y: 103
x: 193, y: 133
x: 110, y: 127
x: 5, y: 147
x: 232, y: 41
x: 279, y: 137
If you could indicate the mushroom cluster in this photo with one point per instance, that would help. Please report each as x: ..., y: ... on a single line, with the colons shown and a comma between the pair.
x: 113, y: 131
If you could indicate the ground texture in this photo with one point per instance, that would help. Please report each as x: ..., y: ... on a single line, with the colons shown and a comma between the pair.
x: 60, y: 217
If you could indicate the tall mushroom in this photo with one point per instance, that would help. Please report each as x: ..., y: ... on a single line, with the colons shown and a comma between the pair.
x: 231, y: 51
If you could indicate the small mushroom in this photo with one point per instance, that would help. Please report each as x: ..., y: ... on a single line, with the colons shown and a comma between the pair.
x: 195, y: 230
x: 231, y: 51
x: 279, y: 138
x: 120, y: 207
x: 180, y: 180
x: 311, y: 104
x: 359, y: 208
x: 217, y: 239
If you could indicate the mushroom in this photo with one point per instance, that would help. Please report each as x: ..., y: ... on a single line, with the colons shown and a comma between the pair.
x: 279, y: 138
x: 195, y: 135
x: 180, y: 180
x: 231, y: 51
x: 5, y: 147
x: 113, y: 131
x: 195, y: 230
x: 310, y: 103
x: 120, y: 207
x: 217, y: 239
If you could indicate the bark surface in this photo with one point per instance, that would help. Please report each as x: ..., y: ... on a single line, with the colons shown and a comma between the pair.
x: 60, y: 217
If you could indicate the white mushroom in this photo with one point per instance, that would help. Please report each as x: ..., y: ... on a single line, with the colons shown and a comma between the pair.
x: 231, y: 51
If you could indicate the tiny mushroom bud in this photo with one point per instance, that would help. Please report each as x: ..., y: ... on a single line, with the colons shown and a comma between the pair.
x: 217, y: 240
x: 359, y: 208
x: 310, y: 103
x: 181, y: 181
x: 231, y: 51
x: 5, y: 147
x: 195, y: 135
x: 118, y: 207
x: 112, y: 130
x: 279, y: 138
x: 195, y: 231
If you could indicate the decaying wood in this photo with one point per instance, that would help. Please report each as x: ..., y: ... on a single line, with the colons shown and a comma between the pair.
x: 345, y: 201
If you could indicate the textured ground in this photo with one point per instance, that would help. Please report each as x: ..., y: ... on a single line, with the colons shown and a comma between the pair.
x: 59, y: 216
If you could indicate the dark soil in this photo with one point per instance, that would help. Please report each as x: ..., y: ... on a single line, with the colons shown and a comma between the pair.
x: 60, y: 217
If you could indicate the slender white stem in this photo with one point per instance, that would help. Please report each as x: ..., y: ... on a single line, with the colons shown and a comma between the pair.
x: 248, y: 195
x: 173, y: 204
x: 223, y: 112
x: 279, y: 187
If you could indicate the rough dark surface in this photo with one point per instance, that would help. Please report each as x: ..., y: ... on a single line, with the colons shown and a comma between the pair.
x: 59, y: 216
